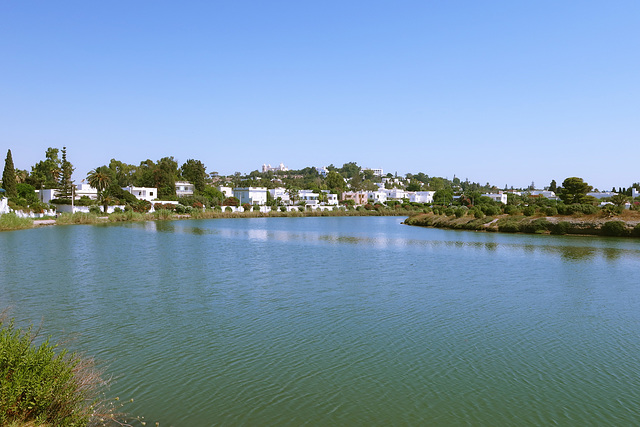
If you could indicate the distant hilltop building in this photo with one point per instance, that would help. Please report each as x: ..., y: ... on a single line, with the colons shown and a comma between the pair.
x: 376, y: 172
x: 322, y: 170
x: 281, y: 167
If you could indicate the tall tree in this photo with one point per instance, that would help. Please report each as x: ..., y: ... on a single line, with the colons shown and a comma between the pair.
x: 46, y: 173
x: 574, y: 190
x: 9, y: 176
x: 165, y: 174
x: 553, y: 186
x: 195, y: 172
x: 101, y: 178
x: 335, y: 181
x: 124, y: 173
x: 66, y: 184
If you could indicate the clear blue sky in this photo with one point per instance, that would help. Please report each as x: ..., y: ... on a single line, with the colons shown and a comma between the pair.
x: 506, y: 92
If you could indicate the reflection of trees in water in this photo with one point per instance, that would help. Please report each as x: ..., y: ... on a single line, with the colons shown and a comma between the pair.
x: 576, y: 253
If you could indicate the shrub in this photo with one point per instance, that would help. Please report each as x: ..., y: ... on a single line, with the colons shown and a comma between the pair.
x: 95, y: 210
x: 614, y: 228
x: 636, y: 231
x: 511, y: 210
x: 460, y: 212
x: 283, y: 208
x: 509, y: 226
x: 538, y: 226
x: 551, y: 211
x: 246, y: 207
x: 449, y: 211
x: 256, y: 208
x: 42, y: 385
x: 529, y: 211
x: 368, y: 206
x: 228, y: 209
x: 477, y: 213
x: 490, y: 210
x: 560, y: 228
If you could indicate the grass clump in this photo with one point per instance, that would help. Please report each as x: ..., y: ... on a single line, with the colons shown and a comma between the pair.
x: 11, y: 221
x: 78, y: 218
x: 42, y: 385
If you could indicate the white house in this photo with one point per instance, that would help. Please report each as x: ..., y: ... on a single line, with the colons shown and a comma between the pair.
x: 46, y: 194
x: 322, y: 171
x: 634, y: 193
x: 376, y: 172
x: 227, y: 191
x: 184, y: 189
x: 379, y: 196
x: 332, y: 199
x: 143, y: 193
x: 86, y: 190
x: 308, y: 197
x: 281, y: 193
x: 251, y: 195
x: 421, y: 196
x: 396, y: 194
x: 497, y: 197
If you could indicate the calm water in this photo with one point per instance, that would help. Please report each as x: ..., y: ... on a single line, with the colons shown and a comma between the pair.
x: 340, y: 321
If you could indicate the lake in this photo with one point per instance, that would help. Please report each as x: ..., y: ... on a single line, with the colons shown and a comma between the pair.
x: 340, y: 320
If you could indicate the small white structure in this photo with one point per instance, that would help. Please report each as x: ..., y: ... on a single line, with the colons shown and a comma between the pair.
x: 251, y: 195
x: 4, y: 204
x: 45, y: 195
x: 184, y: 189
x: 544, y: 193
x: 280, y: 168
x: 421, y: 196
x: 497, y: 197
x: 634, y: 193
x: 280, y: 192
x: 143, y: 193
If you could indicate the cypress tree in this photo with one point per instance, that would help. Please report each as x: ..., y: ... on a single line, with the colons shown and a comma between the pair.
x: 9, y: 177
x: 65, y: 176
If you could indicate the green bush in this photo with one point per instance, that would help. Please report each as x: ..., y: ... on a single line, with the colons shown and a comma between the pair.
x: 95, y: 210
x: 509, y: 226
x: 538, y: 226
x: 529, y: 211
x: 478, y: 213
x: 614, y: 228
x: 511, y: 210
x: 449, y: 211
x: 44, y: 385
x: 636, y: 231
x: 551, y: 211
x: 228, y: 209
x: 560, y: 228
x: 460, y: 212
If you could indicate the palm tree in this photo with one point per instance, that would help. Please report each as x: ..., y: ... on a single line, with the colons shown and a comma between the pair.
x: 100, y: 179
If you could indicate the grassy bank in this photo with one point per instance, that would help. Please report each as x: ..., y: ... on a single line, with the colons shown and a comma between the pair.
x: 625, y: 225
x: 11, y: 221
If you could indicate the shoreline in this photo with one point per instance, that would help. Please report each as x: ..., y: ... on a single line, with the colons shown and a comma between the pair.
x: 586, y: 225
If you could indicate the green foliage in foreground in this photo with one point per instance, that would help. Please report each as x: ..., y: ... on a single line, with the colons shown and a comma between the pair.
x: 43, y: 385
x: 11, y: 221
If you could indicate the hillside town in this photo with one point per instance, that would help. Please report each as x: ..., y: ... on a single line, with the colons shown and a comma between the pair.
x: 47, y: 190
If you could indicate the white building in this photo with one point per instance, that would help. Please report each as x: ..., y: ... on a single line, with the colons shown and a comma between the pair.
x: 332, y: 199
x: 322, y: 171
x: 281, y: 193
x: 143, y: 193
x: 47, y: 194
x: 421, y: 196
x: 308, y: 197
x: 184, y: 189
x: 376, y: 172
x: 497, y: 197
x: 227, y: 191
x: 85, y: 190
x: 379, y: 196
x: 280, y: 168
x: 251, y: 195
x: 544, y: 193
x: 634, y: 193
x: 396, y: 194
